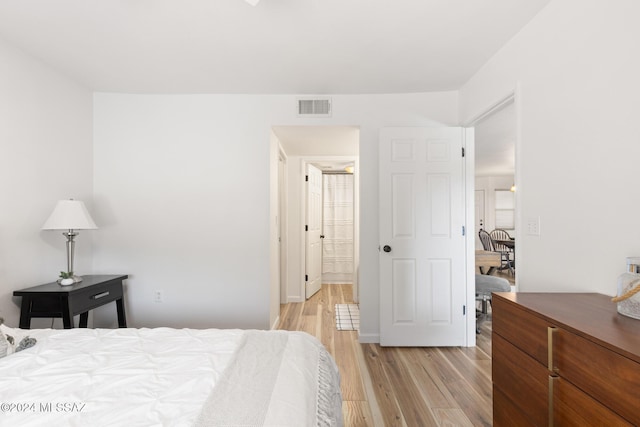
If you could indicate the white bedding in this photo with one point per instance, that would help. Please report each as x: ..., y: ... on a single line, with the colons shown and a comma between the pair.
x: 168, y: 377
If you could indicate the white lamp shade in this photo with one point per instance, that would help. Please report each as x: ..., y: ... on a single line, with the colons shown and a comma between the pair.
x: 70, y: 215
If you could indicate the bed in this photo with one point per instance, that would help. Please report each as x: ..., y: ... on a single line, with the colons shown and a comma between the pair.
x: 168, y: 377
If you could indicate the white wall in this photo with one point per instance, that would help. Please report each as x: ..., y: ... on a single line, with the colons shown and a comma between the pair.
x: 577, y: 72
x: 45, y: 155
x: 182, y: 186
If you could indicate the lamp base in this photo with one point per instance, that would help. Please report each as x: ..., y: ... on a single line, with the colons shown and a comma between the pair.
x: 69, y: 281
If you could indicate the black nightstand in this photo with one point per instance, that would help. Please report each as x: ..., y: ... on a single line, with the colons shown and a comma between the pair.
x: 53, y: 300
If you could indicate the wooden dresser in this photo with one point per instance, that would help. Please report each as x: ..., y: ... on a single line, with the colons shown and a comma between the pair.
x: 564, y: 360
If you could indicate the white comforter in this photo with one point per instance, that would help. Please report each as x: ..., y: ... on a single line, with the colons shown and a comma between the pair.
x: 152, y: 377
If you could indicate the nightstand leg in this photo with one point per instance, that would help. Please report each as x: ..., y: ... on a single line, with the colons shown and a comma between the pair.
x: 84, y: 319
x: 67, y: 317
x: 25, y: 313
x: 122, y: 320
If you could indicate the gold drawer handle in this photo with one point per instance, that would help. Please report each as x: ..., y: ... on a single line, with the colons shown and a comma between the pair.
x: 551, y: 331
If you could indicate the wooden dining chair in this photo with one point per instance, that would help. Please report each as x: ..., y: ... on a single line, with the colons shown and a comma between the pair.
x: 500, y: 234
x: 506, y: 253
x: 485, y: 239
x: 487, y: 245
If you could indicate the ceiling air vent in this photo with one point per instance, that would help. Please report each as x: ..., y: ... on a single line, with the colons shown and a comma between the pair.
x: 314, y: 107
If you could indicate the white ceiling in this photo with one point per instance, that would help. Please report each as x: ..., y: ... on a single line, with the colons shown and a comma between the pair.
x: 278, y: 46
x: 321, y: 141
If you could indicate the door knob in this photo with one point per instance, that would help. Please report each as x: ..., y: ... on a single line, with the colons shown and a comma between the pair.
x: 386, y: 248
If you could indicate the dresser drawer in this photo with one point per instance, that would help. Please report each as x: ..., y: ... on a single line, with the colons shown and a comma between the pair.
x: 521, y: 328
x: 605, y: 375
x: 506, y: 413
x: 523, y: 379
x: 574, y: 408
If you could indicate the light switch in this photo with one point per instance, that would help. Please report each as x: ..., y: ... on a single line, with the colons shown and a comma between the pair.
x: 533, y: 226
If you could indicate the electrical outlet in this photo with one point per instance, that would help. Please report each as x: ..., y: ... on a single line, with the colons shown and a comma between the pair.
x: 158, y: 296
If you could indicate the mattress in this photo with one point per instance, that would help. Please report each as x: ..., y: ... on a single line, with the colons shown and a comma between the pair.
x: 168, y: 377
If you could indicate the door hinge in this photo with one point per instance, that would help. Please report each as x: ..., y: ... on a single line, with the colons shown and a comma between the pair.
x: 306, y: 178
x: 463, y: 231
x: 464, y: 310
x: 462, y: 151
x: 306, y: 277
x: 306, y: 228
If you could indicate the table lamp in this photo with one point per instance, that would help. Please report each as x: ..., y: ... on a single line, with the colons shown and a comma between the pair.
x: 70, y: 215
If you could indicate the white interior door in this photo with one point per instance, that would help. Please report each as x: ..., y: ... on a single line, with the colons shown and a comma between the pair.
x: 422, y: 246
x: 313, y: 230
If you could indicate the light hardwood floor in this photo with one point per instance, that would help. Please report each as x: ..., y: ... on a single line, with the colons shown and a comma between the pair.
x: 411, y: 387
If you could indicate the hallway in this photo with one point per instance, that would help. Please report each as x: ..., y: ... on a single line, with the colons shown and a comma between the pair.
x: 394, y: 386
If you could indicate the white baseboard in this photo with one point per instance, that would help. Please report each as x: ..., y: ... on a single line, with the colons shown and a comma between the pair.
x: 369, y: 338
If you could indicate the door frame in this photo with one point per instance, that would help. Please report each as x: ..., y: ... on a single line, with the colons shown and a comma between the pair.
x: 476, y: 227
x: 513, y: 96
x: 282, y: 223
x: 469, y: 172
x: 356, y: 220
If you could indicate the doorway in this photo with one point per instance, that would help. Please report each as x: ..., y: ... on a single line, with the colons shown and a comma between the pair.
x: 337, y: 224
x: 335, y: 263
x: 495, y: 171
x: 328, y: 147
